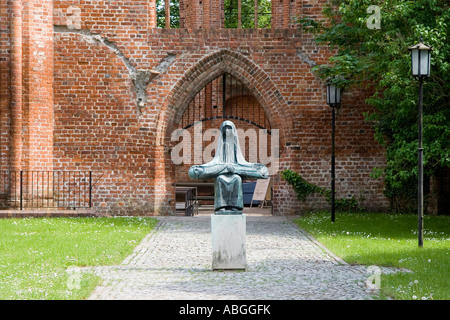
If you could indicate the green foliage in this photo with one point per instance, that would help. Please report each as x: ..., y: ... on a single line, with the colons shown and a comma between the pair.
x: 247, y: 13
x: 379, y: 59
x: 303, y: 188
x: 345, y: 204
x: 174, y: 14
x: 231, y: 14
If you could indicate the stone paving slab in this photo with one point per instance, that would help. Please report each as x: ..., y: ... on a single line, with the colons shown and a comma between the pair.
x: 283, y: 262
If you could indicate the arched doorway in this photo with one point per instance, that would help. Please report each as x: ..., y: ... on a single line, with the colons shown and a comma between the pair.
x: 224, y: 97
x: 182, y: 93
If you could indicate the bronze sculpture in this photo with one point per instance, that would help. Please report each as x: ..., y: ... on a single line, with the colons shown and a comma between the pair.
x: 229, y: 168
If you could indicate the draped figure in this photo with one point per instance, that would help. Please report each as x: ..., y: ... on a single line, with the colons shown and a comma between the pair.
x: 229, y: 168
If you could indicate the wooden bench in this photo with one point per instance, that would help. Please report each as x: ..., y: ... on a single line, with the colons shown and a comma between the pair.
x: 205, y: 190
x: 190, y: 204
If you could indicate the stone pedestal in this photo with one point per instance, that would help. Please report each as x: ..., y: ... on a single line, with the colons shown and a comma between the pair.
x: 228, y: 241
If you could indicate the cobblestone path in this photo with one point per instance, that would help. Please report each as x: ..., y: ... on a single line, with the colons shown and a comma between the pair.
x: 283, y: 262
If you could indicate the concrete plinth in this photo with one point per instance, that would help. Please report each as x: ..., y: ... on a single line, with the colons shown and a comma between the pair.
x: 228, y: 242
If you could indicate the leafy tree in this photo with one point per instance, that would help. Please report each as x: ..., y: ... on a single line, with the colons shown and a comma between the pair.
x: 379, y: 58
x: 174, y: 14
x: 231, y: 13
x: 247, y: 13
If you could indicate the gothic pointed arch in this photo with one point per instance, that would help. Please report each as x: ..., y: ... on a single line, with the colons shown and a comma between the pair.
x: 209, y: 68
x: 196, y: 77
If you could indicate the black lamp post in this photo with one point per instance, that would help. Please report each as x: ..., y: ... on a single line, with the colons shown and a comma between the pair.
x: 333, y: 100
x: 420, y: 68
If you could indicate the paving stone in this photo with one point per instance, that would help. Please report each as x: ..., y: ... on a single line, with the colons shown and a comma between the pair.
x: 283, y: 262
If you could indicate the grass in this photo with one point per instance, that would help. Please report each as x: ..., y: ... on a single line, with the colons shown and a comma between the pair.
x: 37, y: 255
x: 390, y: 240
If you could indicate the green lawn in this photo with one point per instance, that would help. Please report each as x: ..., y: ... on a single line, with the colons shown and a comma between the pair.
x: 390, y: 240
x: 36, y: 255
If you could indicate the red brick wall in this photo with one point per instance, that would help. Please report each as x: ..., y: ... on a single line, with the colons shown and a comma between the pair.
x: 38, y: 85
x: 104, y: 65
x: 5, y: 52
x: 202, y: 14
x: 268, y: 63
x: 26, y: 108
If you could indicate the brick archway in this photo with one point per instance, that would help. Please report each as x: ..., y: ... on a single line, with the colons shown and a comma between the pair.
x: 204, y: 71
x: 209, y: 68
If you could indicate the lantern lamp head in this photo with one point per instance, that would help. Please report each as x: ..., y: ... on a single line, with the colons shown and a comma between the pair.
x: 333, y: 94
x: 420, y: 60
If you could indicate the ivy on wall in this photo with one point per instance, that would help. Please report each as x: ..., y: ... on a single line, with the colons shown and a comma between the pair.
x: 303, y: 188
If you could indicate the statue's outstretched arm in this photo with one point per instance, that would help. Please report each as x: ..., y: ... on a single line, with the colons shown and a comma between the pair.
x: 206, y: 172
x: 254, y: 171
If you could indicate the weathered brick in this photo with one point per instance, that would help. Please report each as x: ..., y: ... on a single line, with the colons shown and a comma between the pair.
x: 81, y: 88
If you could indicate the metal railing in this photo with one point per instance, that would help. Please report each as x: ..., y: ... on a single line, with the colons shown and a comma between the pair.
x: 45, y: 189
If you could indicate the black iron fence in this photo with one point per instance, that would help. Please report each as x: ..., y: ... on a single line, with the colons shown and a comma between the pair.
x: 45, y: 189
